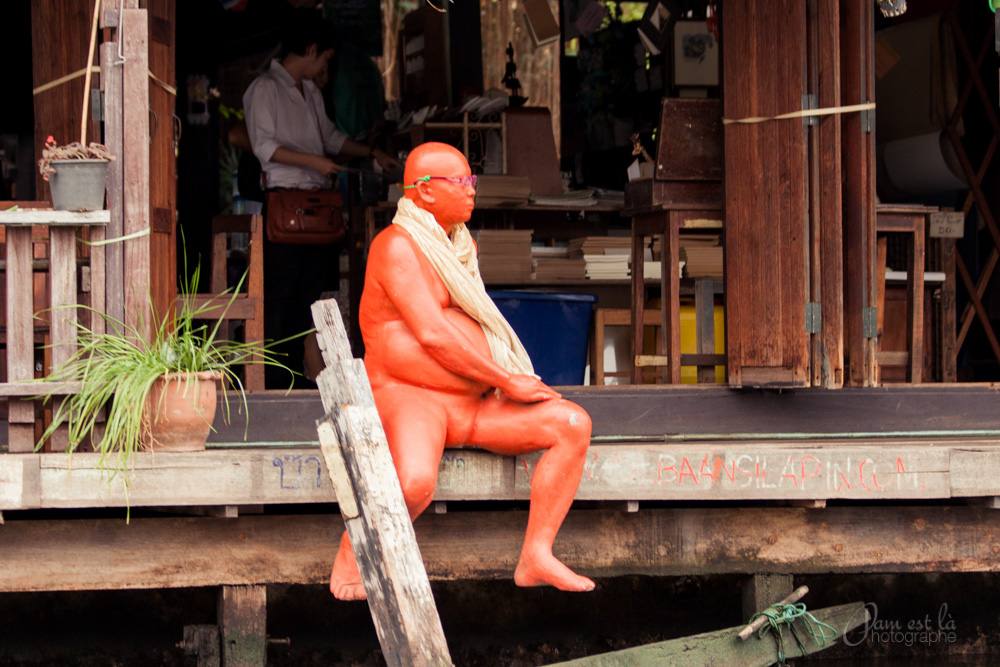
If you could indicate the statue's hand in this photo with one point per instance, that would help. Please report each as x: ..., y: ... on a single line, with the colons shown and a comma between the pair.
x: 528, y: 389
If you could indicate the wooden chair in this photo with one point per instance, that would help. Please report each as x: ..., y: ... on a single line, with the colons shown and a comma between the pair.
x: 247, y: 307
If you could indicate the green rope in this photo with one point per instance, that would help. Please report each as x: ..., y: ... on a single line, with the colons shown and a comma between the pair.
x: 779, y: 615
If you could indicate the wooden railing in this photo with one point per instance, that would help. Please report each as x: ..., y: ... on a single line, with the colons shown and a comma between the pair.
x: 57, y: 327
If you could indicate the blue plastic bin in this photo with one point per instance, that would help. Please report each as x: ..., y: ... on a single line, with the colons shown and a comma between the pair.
x: 554, y: 328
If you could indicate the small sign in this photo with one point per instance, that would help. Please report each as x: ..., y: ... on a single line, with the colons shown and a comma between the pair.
x: 947, y: 224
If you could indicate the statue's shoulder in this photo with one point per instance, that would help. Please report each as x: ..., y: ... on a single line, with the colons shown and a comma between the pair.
x: 391, y: 241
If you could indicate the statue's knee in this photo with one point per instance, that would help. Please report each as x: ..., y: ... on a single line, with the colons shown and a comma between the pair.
x: 418, y: 486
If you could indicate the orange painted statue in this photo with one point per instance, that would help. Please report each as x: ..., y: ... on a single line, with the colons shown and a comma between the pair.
x: 447, y: 370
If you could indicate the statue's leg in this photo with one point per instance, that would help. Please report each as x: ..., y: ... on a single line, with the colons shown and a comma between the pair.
x: 415, y: 425
x: 562, y: 429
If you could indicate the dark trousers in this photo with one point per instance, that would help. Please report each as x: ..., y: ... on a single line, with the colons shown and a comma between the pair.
x: 294, y: 277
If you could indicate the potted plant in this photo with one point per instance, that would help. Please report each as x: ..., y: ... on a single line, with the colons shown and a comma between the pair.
x: 77, y: 174
x: 140, y: 391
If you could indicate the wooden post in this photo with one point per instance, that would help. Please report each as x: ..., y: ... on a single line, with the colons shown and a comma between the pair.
x: 114, y: 272
x: 202, y: 641
x: 20, y: 336
x: 371, y: 502
x: 760, y: 591
x: 242, y: 613
x: 135, y: 164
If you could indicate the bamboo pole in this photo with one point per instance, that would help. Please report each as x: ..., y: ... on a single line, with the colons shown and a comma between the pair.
x: 87, y: 76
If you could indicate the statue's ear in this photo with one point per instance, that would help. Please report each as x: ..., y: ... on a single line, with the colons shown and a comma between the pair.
x: 424, y: 193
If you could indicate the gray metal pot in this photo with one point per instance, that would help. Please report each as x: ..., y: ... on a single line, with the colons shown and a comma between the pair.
x: 78, y: 185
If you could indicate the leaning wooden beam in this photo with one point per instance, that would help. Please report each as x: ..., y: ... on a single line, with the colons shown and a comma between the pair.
x: 721, y: 649
x: 371, y: 503
x: 108, y: 554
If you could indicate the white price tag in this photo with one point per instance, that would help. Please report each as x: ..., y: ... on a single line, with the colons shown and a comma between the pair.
x: 947, y: 224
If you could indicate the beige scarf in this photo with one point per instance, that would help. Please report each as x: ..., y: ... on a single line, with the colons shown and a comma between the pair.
x: 455, y: 261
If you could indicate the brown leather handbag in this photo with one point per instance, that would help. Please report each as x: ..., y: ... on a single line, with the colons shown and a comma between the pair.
x: 305, y: 217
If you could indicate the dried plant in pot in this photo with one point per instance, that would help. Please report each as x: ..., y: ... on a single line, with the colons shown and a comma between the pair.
x: 77, y: 174
x: 139, y: 396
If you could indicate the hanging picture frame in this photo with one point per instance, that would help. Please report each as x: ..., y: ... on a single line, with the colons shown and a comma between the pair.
x: 696, y: 55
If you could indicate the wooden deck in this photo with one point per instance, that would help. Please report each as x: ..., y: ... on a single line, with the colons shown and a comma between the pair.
x: 897, y: 479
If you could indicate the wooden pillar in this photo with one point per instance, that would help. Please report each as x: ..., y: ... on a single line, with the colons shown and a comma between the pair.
x: 760, y: 591
x: 242, y: 612
x: 135, y: 164
x: 858, y: 154
x: 825, y: 206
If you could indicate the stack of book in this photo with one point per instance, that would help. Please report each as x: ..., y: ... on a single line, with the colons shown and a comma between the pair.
x: 702, y: 255
x: 554, y: 264
x: 606, y: 257
x: 573, y: 199
x: 504, y: 255
x: 502, y: 190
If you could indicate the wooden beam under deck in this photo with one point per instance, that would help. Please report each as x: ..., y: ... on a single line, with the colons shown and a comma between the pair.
x: 102, y: 554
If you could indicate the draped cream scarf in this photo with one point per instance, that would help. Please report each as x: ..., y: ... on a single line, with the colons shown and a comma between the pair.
x: 455, y: 261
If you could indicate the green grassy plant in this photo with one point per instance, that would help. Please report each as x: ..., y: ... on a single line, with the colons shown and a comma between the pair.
x: 116, y: 370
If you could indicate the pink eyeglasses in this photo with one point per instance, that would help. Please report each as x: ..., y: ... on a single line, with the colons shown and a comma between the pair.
x: 459, y: 180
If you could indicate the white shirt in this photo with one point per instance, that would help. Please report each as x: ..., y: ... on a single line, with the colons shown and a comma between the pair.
x: 277, y: 114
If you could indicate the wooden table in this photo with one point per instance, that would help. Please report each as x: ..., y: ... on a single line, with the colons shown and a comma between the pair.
x: 666, y: 221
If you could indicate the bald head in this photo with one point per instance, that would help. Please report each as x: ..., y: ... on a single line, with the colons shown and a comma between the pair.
x: 433, y: 159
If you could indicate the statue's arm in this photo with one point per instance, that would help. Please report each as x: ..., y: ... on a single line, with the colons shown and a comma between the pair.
x: 393, y: 261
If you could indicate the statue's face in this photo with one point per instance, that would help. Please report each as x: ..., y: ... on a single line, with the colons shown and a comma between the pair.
x: 450, y: 202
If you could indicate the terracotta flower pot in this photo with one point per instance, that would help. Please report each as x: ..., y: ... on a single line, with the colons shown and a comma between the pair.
x: 180, y: 410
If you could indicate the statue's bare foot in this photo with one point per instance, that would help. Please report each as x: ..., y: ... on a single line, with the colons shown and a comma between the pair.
x: 345, y: 580
x: 548, y: 571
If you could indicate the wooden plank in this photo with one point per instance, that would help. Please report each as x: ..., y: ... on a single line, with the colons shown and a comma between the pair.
x: 395, y: 581
x: 242, y: 613
x: 756, y: 472
x: 135, y: 164
x: 86, y: 554
x: 111, y: 76
x: 31, y: 389
x: 721, y: 648
x: 53, y: 218
x: 20, y: 337
x: 63, y: 316
x: 973, y: 471
x: 620, y: 472
x: 699, y: 411
x: 20, y: 484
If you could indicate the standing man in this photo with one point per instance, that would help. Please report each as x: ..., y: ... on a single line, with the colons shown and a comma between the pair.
x: 293, y: 138
x: 447, y: 370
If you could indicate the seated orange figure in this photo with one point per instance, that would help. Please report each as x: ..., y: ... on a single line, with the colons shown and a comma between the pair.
x: 448, y: 371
